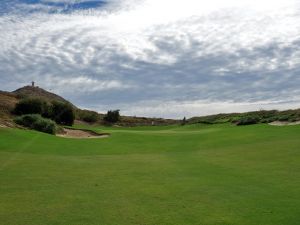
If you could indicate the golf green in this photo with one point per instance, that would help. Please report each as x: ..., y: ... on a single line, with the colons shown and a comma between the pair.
x: 176, y: 175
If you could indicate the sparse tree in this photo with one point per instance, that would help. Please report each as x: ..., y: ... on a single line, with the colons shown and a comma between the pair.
x: 183, y: 122
x: 112, y: 116
x: 62, y: 113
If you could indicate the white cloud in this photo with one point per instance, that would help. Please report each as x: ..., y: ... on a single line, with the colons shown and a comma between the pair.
x: 167, y: 51
x: 81, y: 84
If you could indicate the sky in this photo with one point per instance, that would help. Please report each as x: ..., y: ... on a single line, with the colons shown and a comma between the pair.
x: 156, y: 58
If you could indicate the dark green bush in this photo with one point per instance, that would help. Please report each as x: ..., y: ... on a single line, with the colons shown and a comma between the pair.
x: 248, y: 120
x: 269, y: 120
x: 284, y: 117
x: 184, y: 121
x: 235, y: 119
x: 37, y: 122
x: 31, y: 106
x: 112, y: 116
x: 62, y: 113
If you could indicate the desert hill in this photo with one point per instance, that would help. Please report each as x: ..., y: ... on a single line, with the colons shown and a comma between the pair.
x: 8, y: 100
x: 7, y: 103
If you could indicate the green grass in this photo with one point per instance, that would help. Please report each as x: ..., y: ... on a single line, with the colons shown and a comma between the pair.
x: 198, y: 174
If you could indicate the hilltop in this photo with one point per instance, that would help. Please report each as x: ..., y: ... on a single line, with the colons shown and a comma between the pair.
x: 37, y: 92
x: 8, y: 100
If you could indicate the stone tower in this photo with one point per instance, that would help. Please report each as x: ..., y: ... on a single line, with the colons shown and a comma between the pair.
x: 32, y: 84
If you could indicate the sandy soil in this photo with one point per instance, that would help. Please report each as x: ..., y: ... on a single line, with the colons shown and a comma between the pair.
x: 6, y: 124
x: 281, y: 123
x: 70, y: 133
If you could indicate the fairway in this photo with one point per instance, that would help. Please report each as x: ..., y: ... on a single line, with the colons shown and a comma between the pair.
x: 173, y: 175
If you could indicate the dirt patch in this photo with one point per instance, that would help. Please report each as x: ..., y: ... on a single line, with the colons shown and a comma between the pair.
x: 7, y: 124
x: 282, y: 123
x: 72, y: 133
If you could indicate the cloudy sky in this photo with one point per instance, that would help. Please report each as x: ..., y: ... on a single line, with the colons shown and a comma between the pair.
x: 162, y: 58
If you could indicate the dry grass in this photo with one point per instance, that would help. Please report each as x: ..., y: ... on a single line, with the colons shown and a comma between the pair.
x: 7, y: 104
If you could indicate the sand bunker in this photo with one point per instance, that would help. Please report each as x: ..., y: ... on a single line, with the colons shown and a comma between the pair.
x: 282, y: 123
x: 72, y: 133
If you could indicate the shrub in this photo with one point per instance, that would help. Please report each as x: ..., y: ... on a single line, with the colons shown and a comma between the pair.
x: 31, y: 106
x: 293, y: 119
x: 284, y: 118
x: 37, y: 122
x: 112, y: 116
x: 88, y: 116
x: 235, y: 119
x: 269, y: 120
x: 62, y: 113
x: 248, y: 120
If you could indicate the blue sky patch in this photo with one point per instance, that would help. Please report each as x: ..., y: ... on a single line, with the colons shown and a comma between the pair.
x: 52, y: 6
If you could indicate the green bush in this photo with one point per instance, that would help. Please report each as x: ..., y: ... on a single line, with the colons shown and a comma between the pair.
x: 31, y: 106
x: 37, y: 122
x: 62, y: 113
x: 248, y: 120
x: 269, y: 120
x: 88, y: 116
x: 112, y: 116
x: 235, y: 119
x: 284, y: 118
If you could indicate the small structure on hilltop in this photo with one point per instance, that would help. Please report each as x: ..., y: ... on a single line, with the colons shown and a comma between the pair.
x: 32, y: 84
